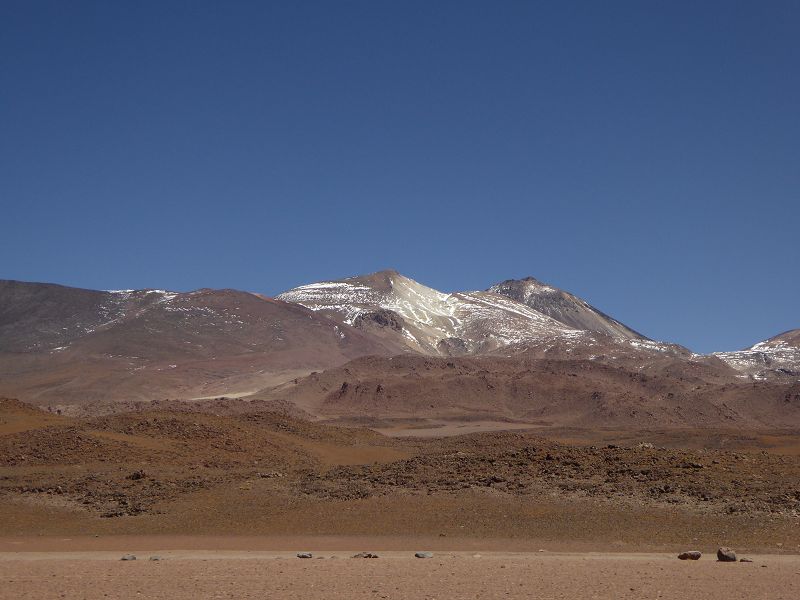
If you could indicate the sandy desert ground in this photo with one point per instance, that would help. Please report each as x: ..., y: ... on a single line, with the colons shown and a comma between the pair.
x: 395, y: 574
x: 228, y: 499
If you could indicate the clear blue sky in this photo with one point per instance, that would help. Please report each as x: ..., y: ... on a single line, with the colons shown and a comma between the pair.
x: 644, y: 155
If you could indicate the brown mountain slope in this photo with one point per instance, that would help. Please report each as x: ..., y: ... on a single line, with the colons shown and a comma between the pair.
x: 561, y: 392
x: 43, y: 316
x: 791, y: 338
x: 64, y: 346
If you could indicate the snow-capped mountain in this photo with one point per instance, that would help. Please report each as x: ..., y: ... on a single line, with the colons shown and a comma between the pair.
x: 562, y: 306
x: 427, y: 320
x: 778, y: 356
x: 69, y: 345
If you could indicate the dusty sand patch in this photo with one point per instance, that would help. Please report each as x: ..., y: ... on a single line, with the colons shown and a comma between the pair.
x: 447, y: 428
x: 198, y: 574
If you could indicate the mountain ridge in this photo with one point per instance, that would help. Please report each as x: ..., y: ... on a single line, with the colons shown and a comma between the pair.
x: 425, y: 319
x: 62, y: 345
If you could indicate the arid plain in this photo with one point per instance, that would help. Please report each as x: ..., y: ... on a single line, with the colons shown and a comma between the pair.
x: 227, y: 500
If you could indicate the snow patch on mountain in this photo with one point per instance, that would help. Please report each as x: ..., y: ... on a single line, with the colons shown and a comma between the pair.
x: 433, y: 321
x: 770, y: 358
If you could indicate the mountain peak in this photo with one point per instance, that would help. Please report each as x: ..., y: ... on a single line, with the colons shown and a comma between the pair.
x: 382, y: 275
x: 525, y: 286
x: 424, y: 319
x: 562, y: 306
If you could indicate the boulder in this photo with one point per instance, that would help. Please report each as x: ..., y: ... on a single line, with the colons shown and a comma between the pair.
x: 423, y: 554
x: 690, y: 555
x: 365, y: 555
x: 128, y: 557
x: 726, y: 555
x: 305, y: 555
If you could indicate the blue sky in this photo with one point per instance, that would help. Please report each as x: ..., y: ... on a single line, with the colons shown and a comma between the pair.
x: 644, y: 155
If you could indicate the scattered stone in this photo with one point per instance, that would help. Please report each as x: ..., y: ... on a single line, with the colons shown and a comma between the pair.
x: 365, y: 555
x: 690, y: 555
x: 726, y: 555
x: 423, y: 554
x: 156, y: 557
x: 691, y: 465
x: 305, y: 555
x: 745, y: 560
x: 128, y: 557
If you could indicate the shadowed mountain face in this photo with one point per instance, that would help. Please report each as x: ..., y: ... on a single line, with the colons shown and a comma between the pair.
x: 563, y: 307
x: 39, y: 316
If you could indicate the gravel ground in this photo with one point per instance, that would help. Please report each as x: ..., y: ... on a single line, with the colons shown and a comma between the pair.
x: 396, y: 574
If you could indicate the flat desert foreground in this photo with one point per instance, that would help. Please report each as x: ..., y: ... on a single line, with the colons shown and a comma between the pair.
x: 203, y: 574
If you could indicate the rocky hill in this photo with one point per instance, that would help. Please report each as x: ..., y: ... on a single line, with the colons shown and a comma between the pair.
x: 639, y: 393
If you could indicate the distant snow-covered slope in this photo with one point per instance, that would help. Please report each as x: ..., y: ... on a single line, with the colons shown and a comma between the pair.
x: 427, y: 320
x: 778, y: 356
